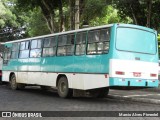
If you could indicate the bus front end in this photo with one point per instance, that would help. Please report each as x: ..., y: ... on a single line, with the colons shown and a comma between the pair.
x: 134, y: 59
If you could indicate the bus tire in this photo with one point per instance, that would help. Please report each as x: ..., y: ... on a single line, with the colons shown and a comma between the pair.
x: 63, y: 88
x: 14, y: 85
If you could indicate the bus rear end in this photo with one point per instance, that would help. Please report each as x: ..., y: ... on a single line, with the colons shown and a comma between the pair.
x: 135, y: 57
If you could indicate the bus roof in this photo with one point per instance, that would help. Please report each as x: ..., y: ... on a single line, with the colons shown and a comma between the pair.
x: 67, y: 32
x: 81, y: 30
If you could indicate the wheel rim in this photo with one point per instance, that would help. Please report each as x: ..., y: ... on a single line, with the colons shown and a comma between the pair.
x: 63, y: 87
x: 13, y: 82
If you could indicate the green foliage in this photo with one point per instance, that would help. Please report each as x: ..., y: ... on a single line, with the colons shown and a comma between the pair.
x: 159, y: 37
x: 6, y: 16
x: 110, y: 15
x: 10, y: 27
x: 139, y: 11
x: 40, y: 17
x: 93, y: 8
x: 36, y: 23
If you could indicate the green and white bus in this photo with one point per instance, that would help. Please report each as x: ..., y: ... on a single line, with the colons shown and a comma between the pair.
x: 91, y: 59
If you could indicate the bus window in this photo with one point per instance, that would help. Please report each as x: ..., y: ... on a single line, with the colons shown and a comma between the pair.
x: 134, y: 39
x: 36, y: 48
x: 70, y: 44
x: 24, y: 49
x: 14, y: 50
x: 22, y: 46
x: 98, y: 41
x: 7, y: 56
x: 80, y: 43
x: 49, y: 47
x: 65, y: 45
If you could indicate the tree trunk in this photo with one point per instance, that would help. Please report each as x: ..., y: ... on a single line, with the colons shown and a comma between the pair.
x: 72, y: 11
x: 138, y: 13
x: 149, y: 10
x: 61, y: 26
x: 48, y: 14
x: 133, y: 15
x: 50, y: 22
x: 77, y: 14
x: 81, y: 7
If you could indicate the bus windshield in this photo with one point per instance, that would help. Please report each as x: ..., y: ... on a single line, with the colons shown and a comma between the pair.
x: 136, y: 40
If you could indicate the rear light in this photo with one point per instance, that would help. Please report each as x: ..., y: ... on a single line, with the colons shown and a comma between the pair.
x: 119, y: 73
x: 0, y: 72
x: 136, y: 74
x: 106, y: 76
x: 153, y: 75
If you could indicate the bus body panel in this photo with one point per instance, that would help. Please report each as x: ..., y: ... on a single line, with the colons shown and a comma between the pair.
x: 76, y: 81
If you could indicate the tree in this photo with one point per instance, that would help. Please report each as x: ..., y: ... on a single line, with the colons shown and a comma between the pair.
x: 102, y: 12
x: 142, y: 12
x: 110, y: 16
x: 35, y: 23
x: 149, y: 9
x: 40, y: 17
x: 9, y: 27
x: 92, y: 9
x: 48, y: 9
x: 71, y: 9
x: 158, y: 37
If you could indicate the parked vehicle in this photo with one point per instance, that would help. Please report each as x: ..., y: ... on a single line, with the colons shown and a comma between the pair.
x: 91, y: 59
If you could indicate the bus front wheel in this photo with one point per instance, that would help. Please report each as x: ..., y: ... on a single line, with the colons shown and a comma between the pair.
x: 14, y: 85
x: 63, y: 88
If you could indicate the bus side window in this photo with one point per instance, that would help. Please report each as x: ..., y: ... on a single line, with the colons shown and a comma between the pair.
x: 93, y: 39
x: 105, y: 40
x: 98, y: 41
x: 7, y: 55
x: 70, y: 44
x: 80, y: 43
x: 14, y: 50
x: 65, y: 45
x: 61, y: 48
x: 49, y: 47
x: 36, y: 48
x: 24, y: 49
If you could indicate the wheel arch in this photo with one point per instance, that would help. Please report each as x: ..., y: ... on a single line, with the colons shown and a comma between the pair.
x: 59, y: 76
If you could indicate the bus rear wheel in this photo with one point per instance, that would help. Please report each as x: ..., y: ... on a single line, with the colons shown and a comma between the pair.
x: 14, y: 85
x: 63, y: 88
